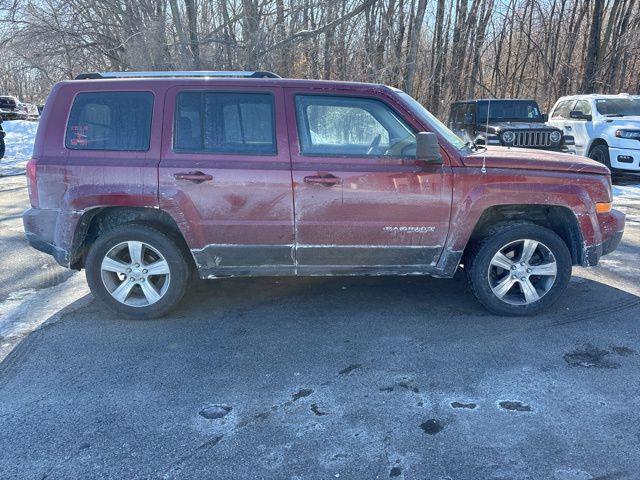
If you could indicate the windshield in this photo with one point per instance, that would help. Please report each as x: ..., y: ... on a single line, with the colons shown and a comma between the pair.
x: 427, y: 117
x: 509, y: 111
x: 618, y: 106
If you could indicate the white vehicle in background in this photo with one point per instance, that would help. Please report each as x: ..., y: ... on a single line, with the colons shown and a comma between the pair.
x: 605, y: 127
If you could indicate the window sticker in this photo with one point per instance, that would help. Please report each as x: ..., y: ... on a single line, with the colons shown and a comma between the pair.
x: 79, y: 135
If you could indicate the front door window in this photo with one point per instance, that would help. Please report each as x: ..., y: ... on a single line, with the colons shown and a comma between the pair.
x: 335, y: 126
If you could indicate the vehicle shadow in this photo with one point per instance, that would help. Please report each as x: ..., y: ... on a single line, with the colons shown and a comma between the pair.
x: 385, y: 301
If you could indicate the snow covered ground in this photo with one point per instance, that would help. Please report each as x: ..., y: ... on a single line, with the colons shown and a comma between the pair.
x: 19, y: 144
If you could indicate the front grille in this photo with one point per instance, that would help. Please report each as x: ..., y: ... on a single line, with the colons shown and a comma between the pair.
x: 533, y: 138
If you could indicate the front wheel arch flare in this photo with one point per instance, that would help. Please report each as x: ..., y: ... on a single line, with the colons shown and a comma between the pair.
x: 559, y: 219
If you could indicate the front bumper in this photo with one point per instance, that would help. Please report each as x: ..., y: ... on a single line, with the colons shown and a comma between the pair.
x: 611, y: 228
x: 625, y: 158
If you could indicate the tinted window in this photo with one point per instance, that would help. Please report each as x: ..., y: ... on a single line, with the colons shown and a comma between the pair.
x: 469, y: 114
x: 110, y: 121
x: 215, y: 122
x: 351, y: 126
x: 501, y: 110
x: 563, y: 109
x: 618, y: 106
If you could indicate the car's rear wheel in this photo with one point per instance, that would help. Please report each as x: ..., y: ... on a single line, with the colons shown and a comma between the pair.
x: 137, y: 271
x: 518, y: 268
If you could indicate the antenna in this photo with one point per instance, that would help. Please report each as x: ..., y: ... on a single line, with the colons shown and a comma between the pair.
x: 486, y: 129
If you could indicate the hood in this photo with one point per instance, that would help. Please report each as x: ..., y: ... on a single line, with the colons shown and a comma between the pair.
x: 527, y: 159
x: 497, y: 127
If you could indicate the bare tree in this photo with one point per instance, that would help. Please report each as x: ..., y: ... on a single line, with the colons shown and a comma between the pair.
x: 438, y: 50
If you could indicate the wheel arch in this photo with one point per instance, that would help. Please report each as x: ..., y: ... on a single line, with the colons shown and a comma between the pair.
x: 594, y: 143
x: 559, y: 219
x: 97, y: 221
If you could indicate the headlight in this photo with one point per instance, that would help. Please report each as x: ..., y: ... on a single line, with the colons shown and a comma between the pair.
x: 632, y: 134
x: 555, y: 136
x: 508, y: 137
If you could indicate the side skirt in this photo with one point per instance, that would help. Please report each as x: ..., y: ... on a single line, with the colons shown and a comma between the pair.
x: 273, y: 260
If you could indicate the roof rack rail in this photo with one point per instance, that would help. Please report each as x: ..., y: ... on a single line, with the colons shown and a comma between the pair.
x: 169, y: 74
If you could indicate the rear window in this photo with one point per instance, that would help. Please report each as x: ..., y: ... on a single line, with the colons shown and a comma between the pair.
x: 118, y: 121
x: 225, y: 122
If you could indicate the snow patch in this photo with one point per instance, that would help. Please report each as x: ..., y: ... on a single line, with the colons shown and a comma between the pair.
x: 19, y: 139
x: 25, y: 310
x: 627, y: 191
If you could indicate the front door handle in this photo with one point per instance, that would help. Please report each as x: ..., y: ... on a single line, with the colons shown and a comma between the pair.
x: 197, y: 177
x: 326, y: 180
x: 567, y: 127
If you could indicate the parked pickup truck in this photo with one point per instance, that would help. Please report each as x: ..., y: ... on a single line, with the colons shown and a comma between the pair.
x: 605, y: 127
x: 507, y: 122
x: 145, y: 178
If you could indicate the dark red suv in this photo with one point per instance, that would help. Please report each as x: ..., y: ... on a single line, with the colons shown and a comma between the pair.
x: 142, y: 179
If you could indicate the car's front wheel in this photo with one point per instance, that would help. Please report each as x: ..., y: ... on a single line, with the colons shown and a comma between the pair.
x: 600, y: 153
x: 137, y: 271
x: 518, y: 268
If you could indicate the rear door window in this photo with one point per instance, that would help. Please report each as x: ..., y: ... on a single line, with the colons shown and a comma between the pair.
x: 225, y: 122
x: 119, y: 121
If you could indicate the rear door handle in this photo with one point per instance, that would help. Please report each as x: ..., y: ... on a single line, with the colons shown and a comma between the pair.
x: 197, y: 177
x: 567, y: 127
x: 327, y: 181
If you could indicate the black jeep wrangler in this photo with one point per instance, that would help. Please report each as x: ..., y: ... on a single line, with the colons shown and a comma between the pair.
x: 511, y: 123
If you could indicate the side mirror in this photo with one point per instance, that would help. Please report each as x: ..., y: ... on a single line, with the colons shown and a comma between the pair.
x: 427, y: 148
x: 545, y: 117
x: 578, y: 115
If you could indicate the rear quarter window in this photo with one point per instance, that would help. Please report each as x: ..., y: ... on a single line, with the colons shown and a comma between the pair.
x: 116, y: 121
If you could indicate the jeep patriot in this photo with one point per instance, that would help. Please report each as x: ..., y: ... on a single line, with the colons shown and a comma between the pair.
x: 145, y: 178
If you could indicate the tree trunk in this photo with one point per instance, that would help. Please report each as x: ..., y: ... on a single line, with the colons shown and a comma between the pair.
x: 593, y: 47
x: 414, y: 41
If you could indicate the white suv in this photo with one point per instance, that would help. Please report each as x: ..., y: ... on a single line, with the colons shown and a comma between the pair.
x: 605, y: 127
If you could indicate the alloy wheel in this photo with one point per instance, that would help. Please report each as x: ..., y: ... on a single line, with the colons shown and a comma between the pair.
x: 135, y: 273
x: 522, y: 272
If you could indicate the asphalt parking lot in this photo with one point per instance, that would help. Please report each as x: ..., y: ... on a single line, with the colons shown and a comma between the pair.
x: 340, y: 377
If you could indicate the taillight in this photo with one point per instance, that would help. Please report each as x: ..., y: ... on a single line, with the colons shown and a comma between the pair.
x: 32, y: 182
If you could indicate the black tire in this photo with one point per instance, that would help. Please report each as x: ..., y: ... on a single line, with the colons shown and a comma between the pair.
x: 2, y: 147
x: 179, y: 269
x: 478, y: 261
x: 600, y: 153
